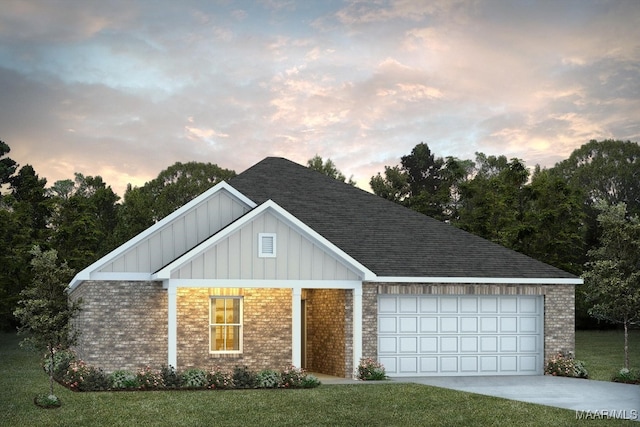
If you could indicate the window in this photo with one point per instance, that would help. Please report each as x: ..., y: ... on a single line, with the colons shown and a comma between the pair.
x: 225, y: 325
x: 267, y: 245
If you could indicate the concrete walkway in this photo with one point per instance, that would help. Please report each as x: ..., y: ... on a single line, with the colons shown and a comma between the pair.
x: 597, y: 398
x: 608, y: 399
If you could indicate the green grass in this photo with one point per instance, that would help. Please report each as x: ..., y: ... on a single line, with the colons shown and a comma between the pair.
x: 603, y: 352
x: 384, y: 404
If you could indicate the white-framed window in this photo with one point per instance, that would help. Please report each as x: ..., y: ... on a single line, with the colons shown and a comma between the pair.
x: 225, y: 324
x: 267, y: 245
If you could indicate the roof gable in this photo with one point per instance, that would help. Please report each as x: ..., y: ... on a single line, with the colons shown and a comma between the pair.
x: 389, y: 239
x: 232, y: 254
x: 170, y: 237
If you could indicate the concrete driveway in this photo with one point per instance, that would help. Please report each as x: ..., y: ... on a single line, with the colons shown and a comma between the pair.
x: 596, y: 398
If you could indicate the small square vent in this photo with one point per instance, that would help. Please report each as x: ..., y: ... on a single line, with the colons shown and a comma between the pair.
x: 267, y: 245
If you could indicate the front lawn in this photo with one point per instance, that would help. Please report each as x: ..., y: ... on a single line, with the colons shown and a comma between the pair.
x: 383, y: 404
x: 603, y: 352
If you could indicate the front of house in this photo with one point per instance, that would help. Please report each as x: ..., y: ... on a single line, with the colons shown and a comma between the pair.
x: 285, y: 266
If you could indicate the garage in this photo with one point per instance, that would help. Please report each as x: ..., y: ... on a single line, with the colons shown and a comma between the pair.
x: 431, y: 335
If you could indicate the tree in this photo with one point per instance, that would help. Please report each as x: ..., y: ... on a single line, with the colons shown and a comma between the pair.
x: 429, y: 192
x: 174, y: 187
x: 393, y: 186
x: 7, y: 165
x: 328, y: 168
x: 493, y: 203
x: 555, y: 231
x: 84, y: 215
x: 45, y: 311
x: 612, y: 275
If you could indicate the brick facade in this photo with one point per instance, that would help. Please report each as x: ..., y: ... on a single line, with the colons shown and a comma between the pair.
x: 266, y: 329
x: 122, y: 325
x: 559, y: 309
x: 329, y: 331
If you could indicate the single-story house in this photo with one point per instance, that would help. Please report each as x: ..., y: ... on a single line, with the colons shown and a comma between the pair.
x: 284, y: 265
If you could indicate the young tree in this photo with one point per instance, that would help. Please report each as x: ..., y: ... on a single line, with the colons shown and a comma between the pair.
x: 45, y: 312
x: 612, y: 276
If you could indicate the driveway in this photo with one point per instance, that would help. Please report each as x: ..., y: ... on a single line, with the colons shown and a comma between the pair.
x: 607, y: 399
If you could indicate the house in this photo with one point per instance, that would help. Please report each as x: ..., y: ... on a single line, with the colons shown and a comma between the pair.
x: 283, y: 265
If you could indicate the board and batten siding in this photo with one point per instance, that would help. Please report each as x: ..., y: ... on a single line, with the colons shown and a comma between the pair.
x: 236, y: 256
x: 181, y: 235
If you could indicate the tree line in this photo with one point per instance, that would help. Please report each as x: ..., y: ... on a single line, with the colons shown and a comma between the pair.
x: 548, y: 214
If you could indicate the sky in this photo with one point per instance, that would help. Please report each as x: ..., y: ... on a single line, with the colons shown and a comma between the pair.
x: 124, y: 89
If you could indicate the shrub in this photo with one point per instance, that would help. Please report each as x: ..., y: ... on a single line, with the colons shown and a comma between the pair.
x: 150, y: 378
x: 371, y: 370
x: 293, y: 377
x: 170, y: 377
x: 194, y: 378
x: 219, y: 379
x: 269, y: 379
x: 123, y: 379
x: 564, y: 365
x: 61, y: 361
x: 629, y: 376
x: 309, y: 381
x: 82, y: 377
x: 244, y: 378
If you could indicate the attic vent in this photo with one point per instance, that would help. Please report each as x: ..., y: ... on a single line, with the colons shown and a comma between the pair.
x: 267, y: 245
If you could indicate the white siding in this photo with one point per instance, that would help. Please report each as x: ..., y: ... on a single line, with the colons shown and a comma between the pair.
x: 181, y: 235
x: 236, y: 257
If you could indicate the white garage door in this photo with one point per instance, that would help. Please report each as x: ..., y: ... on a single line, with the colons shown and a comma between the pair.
x: 422, y: 335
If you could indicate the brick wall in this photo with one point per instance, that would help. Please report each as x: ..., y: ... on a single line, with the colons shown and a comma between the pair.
x: 122, y: 325
x: 559, y: 309
x: 266, y: 329
x: 328, y: 350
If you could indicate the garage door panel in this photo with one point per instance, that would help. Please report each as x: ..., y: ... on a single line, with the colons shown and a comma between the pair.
x: 428, y: 344
x: 408, y: 345
x: 460, y: 335
x: 448, y: 344
x: 428, y: 324
x: 469, y: 324
x: 469, y: 364
x: 387, y: 325
x: 388, y: 345
x: 408, y: 324
x: 448, y: 324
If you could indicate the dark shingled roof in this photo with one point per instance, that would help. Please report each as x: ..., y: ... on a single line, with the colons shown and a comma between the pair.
x: 389, y: 239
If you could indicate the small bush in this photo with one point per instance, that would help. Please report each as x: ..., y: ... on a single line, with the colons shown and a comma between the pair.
x: 170, y: 377
x: 310, y: 381
x: 244, y: 378
x: 82, y: 377
x: 123, y: 379
x: 219, y: 379
x: 47, y: 401
x: 371, y: 370
x: 564, y: 365
x: 194, y: 378
x: 628, y: 376
x: 269, y: 379
x: 150, y: 379
x: 293, y: 377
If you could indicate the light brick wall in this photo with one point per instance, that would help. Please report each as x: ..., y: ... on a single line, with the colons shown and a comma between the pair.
x: 266, y: 329
x: 122, y: 325
x: 327, y: 345
x: 559, y: 309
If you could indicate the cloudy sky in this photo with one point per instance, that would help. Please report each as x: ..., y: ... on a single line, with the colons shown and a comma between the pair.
x: 123, y: 88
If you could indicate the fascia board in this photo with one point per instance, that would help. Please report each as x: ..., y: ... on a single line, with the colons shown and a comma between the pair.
x: 480, y: 280
x: 87, y: 273
x: 165, y: 272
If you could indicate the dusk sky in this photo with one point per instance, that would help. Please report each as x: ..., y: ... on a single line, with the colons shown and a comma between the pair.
x: 123, y: 89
